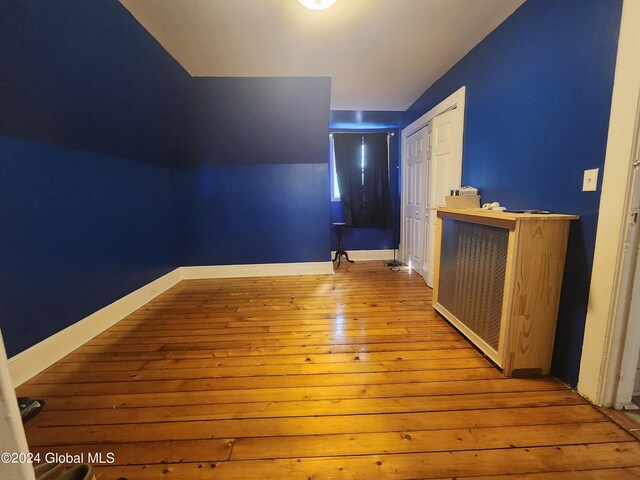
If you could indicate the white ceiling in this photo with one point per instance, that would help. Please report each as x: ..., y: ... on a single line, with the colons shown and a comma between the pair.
x: 380, y: 54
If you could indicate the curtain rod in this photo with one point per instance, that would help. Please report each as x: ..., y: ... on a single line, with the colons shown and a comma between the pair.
x: 392, y: 134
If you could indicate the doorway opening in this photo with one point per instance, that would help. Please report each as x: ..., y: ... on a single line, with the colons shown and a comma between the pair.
x: 625, y: 359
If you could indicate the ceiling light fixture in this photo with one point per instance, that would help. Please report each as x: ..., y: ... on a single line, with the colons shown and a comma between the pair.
x: 317, y: 4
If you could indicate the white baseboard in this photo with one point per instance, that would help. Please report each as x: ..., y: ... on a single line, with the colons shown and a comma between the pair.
x: 42, y: 355
x: 257, y: 270
x: 35, y: 359
x: 369, y: 254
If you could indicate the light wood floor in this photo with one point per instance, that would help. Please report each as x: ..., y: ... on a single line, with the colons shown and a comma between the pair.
x: 346, y: 376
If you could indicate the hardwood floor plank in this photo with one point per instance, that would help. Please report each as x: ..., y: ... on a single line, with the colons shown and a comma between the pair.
x: 82, y: 354
x: 278, y: 325
x: 289, y: 327
x: 398, y: 357
x: 263, y: 370
x: 190, y: 451
x: 297, y: 426
x: 95, y: 367
x: 193, y: 385
x: 408, y: 343
x: 176, y: 413
x: 426, y: 441
x: 79, y: 402
x: 190, y: 342
x: 239, y: 334
x: 301, y: 316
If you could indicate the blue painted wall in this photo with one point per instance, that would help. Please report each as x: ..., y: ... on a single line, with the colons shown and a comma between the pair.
x: 253, y: 186
x: 80, y: 231
x: 231, y: 121
x: 84, y: 74
x: 88, y: 105
x: 362, y: 119
x: 245, y: 214
x: 538, y: 99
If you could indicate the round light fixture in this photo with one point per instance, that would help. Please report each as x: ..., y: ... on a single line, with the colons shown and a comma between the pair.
x: 317, y: 4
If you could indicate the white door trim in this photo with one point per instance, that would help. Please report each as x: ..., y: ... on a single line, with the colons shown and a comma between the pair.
x: 603, y: 338
x: 416, y: 173
x: 619, y: 366
x: 455, y: 100
x: 12, y: 437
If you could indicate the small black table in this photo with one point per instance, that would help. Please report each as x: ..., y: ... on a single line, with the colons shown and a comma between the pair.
x: 341, y: 251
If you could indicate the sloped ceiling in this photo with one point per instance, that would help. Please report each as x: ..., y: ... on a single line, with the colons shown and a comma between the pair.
x: 380, y: 54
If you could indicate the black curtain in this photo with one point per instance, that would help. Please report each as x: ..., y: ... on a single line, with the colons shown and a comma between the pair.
x: 364, y: 192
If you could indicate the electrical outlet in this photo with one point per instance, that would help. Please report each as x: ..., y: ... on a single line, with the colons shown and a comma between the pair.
x: 590, y: 181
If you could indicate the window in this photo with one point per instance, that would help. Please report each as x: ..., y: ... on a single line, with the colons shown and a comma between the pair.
x: 360, y: 161
x: 335, y: 190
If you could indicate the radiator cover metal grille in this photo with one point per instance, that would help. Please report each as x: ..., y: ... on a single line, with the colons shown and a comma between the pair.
x: 473, y: 263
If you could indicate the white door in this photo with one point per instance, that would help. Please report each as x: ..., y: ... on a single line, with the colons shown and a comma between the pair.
x: 445, y: 175
x: 416, y: 154
x: 628, y: 381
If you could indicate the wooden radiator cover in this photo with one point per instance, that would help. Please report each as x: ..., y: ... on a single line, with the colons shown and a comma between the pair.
x: 498, y: 278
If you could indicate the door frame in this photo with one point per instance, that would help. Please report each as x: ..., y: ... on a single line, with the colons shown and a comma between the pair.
x: 609, y: 296
x: 455, y: 100
x: 409, y: 257
x: 12, y: 436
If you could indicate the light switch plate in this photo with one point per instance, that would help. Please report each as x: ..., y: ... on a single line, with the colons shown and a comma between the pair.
x: 590, y: 181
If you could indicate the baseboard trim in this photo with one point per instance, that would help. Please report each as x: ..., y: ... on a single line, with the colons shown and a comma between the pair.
x: 29, y: 363
x: 369, y: 254
x: 256, y: 270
